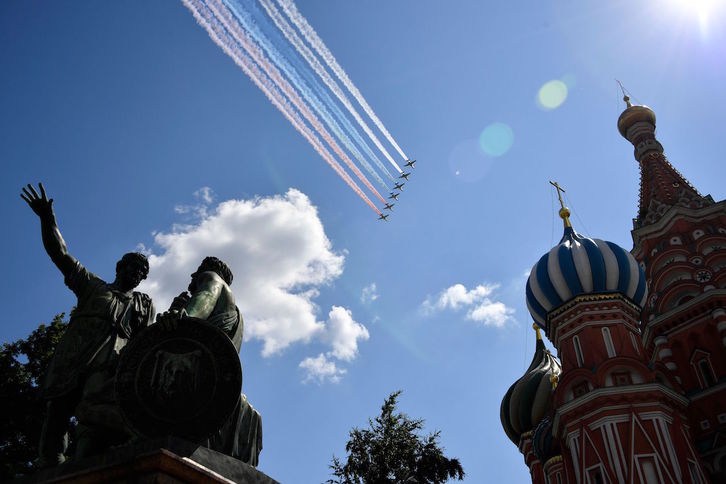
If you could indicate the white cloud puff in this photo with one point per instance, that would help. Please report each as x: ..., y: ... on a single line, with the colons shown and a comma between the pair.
x: 280, y: 256
x: 478, y: 302
x: 321, y: 369
x: 369, y: 293
x: 343, y: 333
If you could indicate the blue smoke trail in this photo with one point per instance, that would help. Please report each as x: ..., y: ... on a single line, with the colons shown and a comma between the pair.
x: 249, y: 23
x: 302, y: 66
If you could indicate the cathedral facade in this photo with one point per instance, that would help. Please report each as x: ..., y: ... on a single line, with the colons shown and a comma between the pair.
x: 637, y: 393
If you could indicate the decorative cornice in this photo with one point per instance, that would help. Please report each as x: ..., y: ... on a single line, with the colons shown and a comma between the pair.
x: 661, y: 227
x: 683, y: 308
x: 617, y: 390
x: 608, y: 296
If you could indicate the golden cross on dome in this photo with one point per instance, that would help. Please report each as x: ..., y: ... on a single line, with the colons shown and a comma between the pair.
x: 564, y: 211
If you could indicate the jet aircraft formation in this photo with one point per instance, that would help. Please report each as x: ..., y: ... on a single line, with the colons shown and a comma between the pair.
x: 281, y: 53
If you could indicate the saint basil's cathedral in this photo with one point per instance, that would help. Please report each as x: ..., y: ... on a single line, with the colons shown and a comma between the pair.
x: 637, y: 392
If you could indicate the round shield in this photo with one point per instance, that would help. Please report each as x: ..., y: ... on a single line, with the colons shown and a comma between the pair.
x: 184, y: 381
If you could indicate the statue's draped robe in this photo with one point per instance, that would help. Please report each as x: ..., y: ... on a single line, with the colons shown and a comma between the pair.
x: 86, y: 356
x: 241, y: 436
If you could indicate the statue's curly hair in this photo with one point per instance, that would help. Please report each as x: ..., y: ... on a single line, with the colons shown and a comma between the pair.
x: 220, y: 268
x: 136, y: 258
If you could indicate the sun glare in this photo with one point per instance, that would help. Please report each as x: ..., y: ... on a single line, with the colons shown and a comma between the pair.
x: 702, y: 10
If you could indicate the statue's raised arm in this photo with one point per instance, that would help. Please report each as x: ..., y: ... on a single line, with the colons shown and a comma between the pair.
x: 53, y: 241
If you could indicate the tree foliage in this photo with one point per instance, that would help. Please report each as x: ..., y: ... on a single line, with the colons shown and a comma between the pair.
x: 392, y: 450
x: 22, y: 364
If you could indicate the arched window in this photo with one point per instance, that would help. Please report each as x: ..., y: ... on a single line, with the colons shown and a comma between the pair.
x: 578, y: 351
x: 608, y: 342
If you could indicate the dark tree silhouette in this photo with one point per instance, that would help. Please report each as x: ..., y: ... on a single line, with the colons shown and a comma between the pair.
x: 392, y: 450
x: 22, y: 364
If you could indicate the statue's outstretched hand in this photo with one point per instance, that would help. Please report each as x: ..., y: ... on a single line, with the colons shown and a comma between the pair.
x: 39, y: 203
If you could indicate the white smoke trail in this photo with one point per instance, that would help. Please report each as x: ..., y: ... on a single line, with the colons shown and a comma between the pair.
x: 248, y: 23
x: 220, y: 37
x: 254, y: 51
x: 312, y: 37
x: 289, y: 33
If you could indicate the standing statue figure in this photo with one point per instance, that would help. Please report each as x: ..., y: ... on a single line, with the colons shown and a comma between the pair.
x: 210, y: 298
x: 80, y: 377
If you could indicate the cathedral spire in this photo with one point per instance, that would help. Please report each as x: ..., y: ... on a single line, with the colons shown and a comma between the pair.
x: 661, y: 185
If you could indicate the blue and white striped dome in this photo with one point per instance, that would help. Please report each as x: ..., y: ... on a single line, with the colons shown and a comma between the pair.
x: 580, y: 265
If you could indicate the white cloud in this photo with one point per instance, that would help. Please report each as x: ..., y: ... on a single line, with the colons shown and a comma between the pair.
x: 320, y: 369
x: 478, y: 302
x: 204, y: 197
x: 205, y: 194
x: 343, y: 333
x: 280, y: 257
x: 369, y: 294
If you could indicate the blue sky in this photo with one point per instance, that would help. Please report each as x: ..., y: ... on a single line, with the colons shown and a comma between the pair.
x: 127, y: 111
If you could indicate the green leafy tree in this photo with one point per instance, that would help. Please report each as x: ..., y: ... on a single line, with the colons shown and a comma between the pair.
x: 22, y: 365
x: 392, y: 450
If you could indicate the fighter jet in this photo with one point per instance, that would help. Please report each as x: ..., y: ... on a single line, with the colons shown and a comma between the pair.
x: 389, y: 206
x: 383, y: 217
x: 393, y: 196
x: 405, y: 175
x: 410, y: 163
x: 398, y: 186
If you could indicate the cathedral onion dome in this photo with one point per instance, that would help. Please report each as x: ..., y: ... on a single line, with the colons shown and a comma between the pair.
x: 634, y: 114
x: 545, y: 446
x: 529, y: 398
x: 579, y: 265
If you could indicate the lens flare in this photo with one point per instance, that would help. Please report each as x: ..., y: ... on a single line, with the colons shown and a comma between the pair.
x: 496, y: 139
x: 552, y: 94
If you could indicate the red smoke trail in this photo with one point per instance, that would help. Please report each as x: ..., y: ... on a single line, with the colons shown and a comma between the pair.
x: 289, y: 33
x: 217, y: 34
x: 312, y: 37
x: 254, y: 51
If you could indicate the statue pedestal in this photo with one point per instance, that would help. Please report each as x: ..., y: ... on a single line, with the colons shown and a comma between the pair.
x: 168, y: 460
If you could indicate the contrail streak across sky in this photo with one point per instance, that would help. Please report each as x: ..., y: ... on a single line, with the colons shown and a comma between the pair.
x: 308, y: 55
x: 218, y: 34
x: 270, y: 51
x: 249, y: 24
x: 312, y: 37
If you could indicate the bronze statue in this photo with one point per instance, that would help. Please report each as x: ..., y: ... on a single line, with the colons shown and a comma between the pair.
x: 79, y: 380
x: 210, y: 299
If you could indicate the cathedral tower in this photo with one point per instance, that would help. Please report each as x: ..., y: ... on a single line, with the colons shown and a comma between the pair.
x: 679, y: 239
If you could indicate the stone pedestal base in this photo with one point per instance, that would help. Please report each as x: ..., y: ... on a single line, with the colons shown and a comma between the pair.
x: 168, y: 461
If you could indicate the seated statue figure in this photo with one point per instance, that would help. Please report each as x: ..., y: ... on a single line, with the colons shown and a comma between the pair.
x: 210, y: 299
x: 80, y: 377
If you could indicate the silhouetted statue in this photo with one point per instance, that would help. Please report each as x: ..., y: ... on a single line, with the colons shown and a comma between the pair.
x: 80, y: 378
x: 210, y: 299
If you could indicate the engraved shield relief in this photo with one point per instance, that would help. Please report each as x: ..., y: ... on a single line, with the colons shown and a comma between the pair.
x: 183, y: 382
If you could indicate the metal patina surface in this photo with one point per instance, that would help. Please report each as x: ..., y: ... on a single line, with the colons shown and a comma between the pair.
x: 183, y: 382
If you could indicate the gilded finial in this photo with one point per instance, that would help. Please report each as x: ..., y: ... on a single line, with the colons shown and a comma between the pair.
x: 626, y: 98
x: 564, y: 211
x: 535, y: 327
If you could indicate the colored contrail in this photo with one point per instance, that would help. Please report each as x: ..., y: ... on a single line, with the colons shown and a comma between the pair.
x: 312, y: 37
x: 311, y: 59
x: 310, y: 77
x: 217, y: 33
x: 254, y: 51
x: 244, y: 17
